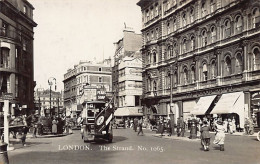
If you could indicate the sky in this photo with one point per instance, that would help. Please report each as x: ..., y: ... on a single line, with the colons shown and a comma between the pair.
x: 72, y: 30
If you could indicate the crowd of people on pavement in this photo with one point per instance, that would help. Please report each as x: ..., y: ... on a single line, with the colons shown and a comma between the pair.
x: 39, y: 125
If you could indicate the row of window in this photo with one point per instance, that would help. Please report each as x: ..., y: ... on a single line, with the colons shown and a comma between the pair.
x: 209, y: 36
x: 78, y: 70
x: 208, y: 70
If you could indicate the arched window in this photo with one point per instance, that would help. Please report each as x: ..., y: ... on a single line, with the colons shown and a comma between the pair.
x: 147, y: 16
x: 204, y: 38
x: 193, y: 73
x: 256, y: 58
x: 203, y: 9
x: 191, y: 15
x: 227, y: 29
x: 157, y: 33
x: 184, y: 45
x: 174, y: 25
x: 156, y: 10
x: 213, y: 69
x: 228, y: 68
x: 192, y: 43
x: 152, y: 14
x: 148, y: 58
x: 168, y: 28
x: 152, y: 35
x: 184, y: 21
x: 255, y: 17
x: 154, y: 57
x: 238, y: 24
x: 213, y: 34
x: 154, y: 85
x: 147, y: 37
x: 170, y: 51
x: 185, y: 76
x: 212, y: 6
x: 174, y: 52
x: 205, y: 72
x: 239, y: 63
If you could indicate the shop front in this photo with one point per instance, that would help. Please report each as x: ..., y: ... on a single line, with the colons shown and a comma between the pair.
x: 232, y: 105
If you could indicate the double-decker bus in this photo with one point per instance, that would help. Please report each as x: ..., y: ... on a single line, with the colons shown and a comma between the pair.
x: 97, y: 117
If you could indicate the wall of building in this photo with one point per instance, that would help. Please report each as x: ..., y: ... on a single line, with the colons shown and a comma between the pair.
x: 207, y: 47
x: 16, y: 56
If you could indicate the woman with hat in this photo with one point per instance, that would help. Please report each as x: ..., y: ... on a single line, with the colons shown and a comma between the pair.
x: 205, y: 136
x: 220, y: 134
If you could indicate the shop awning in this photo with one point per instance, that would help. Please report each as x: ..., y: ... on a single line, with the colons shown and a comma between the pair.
x: 203, y: 105
x: 231, y: 103
x: 128, y: 111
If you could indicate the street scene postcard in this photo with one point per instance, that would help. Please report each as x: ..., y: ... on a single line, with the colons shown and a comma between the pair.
x: 129, y: 81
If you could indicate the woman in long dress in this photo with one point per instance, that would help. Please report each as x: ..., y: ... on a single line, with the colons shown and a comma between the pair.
x: 54, y: 126
x: 220, y: 134
x: 205, y: 136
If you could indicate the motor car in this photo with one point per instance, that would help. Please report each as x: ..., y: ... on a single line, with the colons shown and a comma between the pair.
x: 119, y: 122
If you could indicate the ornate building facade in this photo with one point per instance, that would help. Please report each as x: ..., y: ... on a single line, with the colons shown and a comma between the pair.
x: 201, y: 57
x: 16, y: 53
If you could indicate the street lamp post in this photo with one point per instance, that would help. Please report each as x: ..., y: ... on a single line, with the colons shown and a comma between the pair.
x: 171, y: 80
x: 50, y: 82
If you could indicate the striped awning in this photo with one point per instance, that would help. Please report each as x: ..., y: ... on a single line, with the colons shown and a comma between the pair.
x: 203, y: 105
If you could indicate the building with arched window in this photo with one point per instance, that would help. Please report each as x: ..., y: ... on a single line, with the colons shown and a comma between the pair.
x: 17, y: 54
x: 211, y: 54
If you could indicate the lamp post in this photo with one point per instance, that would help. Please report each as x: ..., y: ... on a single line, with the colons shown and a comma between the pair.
x: 50, y: 82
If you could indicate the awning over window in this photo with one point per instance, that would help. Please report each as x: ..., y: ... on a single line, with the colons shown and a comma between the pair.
x: 231, y: 103
x: 203, y: 105
x: 129, y: 111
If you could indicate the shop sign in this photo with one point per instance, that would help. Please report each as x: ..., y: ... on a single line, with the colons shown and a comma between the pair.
x: 101, y: 94
x: 90, y: 94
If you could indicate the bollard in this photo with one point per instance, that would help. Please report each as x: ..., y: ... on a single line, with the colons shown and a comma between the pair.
x: 193, y: 130
x: 3, y: 153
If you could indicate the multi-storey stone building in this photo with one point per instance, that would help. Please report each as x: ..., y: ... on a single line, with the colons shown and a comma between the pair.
x: 43, y: 99
x: 203, y: 55
x: 16, y: 53
x: 126, y: 76
x: 92, y: 74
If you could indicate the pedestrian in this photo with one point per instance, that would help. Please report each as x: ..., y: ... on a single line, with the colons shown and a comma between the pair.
x: 135, y: 124
x: 225, y: 124
x: 25, y: 129
x: 233, y: 125
x: 178, y: 127
x: 205, y: 136
x: 54, y: 126
x: 140, y: 125
x: 220, y: 134
x: 131, y: 123
x: 246, y: 126
x: 182, y: 126
x: 169, y: 126
x: 230, y: 126
x: 161, y: 126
